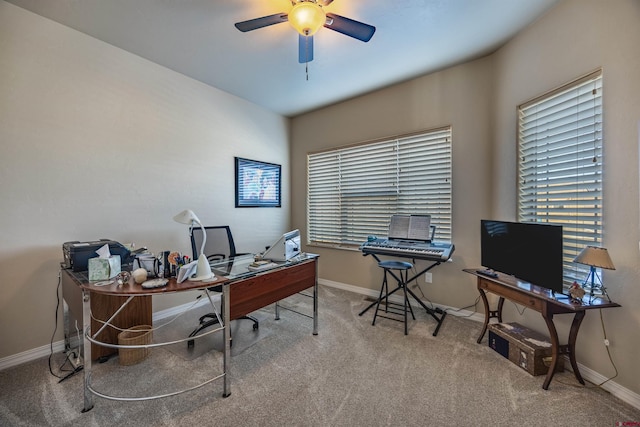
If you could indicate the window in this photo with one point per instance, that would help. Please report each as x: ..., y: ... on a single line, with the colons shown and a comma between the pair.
x: 560, y: 166
x: 352, y: 192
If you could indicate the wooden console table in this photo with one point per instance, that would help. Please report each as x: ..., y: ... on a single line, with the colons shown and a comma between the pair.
x: 544, y: 302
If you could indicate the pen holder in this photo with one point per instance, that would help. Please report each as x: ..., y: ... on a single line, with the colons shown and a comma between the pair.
x: 165, y: 264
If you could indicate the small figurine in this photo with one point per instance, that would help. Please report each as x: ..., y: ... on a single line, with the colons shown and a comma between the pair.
x: 576, y: 291
x: 122, y: 278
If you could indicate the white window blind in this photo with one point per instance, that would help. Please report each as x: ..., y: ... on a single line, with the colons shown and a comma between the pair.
x: 352, y: 192
x: 560, y: 166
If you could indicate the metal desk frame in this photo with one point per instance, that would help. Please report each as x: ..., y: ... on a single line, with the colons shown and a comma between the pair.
x: 241, y: 294
x: 132, y: 291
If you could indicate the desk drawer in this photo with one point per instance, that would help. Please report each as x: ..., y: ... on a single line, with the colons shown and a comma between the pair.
x: 512, y: 294
x: 251, y: 294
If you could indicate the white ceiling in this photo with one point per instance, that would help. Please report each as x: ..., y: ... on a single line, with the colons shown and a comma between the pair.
x: 197, y: 38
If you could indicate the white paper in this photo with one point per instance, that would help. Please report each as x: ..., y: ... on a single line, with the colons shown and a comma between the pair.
x: 410, y: 227
x: 104, y: 252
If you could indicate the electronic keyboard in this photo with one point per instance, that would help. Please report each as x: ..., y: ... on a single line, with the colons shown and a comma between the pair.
x: 433, y: 251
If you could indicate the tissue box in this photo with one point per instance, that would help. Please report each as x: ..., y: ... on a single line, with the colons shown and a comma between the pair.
x: 104, y: 268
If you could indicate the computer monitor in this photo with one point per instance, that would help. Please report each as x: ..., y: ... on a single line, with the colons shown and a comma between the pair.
x: 286, y: 247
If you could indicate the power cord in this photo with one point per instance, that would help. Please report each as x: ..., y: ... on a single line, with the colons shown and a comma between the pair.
x: 78, y: 366
x: 448, y: 310
x: 474, y: 305
x: 55, y: 328
x: 606, y: 341
x: 417, y: 285
x: 604, y: 332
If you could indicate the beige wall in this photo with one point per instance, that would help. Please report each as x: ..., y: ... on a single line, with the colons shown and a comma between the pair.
x: 479, y: 100
x: 576, y: 37
x: 461, y: 97
x: 98, y: 143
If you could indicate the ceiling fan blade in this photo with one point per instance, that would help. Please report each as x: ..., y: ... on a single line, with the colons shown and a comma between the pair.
x: 325, y: 2
x: 265, y: 21
x: 305, y: 48
x: 357, y: 30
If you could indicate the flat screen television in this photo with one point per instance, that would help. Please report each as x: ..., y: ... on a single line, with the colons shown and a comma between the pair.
x: 529, y: 251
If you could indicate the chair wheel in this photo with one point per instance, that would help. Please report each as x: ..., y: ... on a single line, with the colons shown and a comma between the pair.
x: 256, y: 326
x: 190, y: 344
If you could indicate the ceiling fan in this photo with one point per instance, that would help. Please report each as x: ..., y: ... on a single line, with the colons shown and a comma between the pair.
x: 307, y: 16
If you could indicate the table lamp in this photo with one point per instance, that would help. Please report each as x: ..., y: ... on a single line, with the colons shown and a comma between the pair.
x: 203, y: 270
x: 594, y: 257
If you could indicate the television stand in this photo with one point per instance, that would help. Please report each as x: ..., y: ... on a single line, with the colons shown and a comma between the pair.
x: 544, y: 302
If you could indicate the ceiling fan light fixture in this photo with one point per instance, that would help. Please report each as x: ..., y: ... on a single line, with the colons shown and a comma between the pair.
x: 307, y: 17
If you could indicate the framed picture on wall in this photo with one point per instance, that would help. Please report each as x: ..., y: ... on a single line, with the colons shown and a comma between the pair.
x: 257, y: 184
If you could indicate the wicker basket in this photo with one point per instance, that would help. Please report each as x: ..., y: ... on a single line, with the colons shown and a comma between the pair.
x: 137, y: 335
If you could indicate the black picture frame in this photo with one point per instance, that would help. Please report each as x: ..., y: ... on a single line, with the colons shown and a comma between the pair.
x: 258, y: 184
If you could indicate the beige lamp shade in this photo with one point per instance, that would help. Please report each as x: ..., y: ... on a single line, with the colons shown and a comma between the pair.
x: 595, y: 257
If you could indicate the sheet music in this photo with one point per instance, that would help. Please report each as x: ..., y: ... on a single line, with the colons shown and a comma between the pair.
x: 399, y: 227
x: 410, y: 227
x: 419, y: 227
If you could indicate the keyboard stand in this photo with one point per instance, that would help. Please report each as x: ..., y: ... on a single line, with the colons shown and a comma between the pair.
x: 437, y: 313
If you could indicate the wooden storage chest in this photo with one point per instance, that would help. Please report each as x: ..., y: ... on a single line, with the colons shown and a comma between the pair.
x: 528, y: 349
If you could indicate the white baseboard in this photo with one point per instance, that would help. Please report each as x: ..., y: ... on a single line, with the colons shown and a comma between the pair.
x: 453, y: 311
x: 614, y: 388
x: 588, y: 374
x: 30, y: 355
x: 58, y: 346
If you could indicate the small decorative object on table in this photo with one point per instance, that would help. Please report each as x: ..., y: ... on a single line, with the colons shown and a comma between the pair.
x: 123, y: 277
x: 596, y: 258
x: 175, y: 260
x: 139, y: 275
x: 576, y: 292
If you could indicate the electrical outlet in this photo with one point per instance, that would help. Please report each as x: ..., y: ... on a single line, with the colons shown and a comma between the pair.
x: 428, y: 277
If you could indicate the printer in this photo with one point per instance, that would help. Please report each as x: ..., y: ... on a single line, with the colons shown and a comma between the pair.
x: 76, y: 254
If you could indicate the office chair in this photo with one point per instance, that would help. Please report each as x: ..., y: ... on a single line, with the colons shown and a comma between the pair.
x: 219, y: 246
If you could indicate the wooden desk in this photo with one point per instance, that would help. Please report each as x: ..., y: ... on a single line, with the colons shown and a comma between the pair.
x: 249, y: 292
x: 544, y: 302
x: 242, y: 293
x: 103, y: 333
x: 103, y: 305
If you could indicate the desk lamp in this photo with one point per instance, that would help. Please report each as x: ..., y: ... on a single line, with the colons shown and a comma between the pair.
x: 203, y: 270
x: 594, y: 257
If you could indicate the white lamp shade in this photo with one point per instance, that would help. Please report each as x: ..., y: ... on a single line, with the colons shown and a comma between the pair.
x: 187, y: 217
x: 595, y: 257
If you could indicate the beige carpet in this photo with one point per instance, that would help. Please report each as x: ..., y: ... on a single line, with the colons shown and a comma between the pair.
x: 351, y: 374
